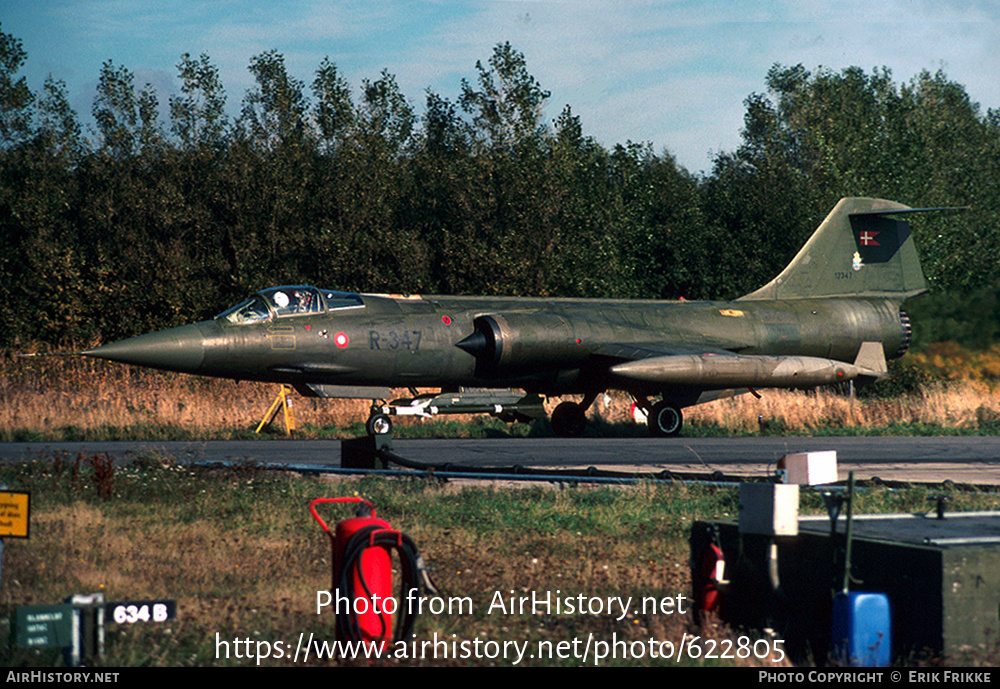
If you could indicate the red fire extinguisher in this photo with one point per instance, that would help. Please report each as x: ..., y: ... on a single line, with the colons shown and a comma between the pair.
x: 708, y: 573
x: 711, y: 573
x: 362, y: 575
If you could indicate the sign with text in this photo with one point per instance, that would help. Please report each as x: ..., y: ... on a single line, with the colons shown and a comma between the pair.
x: 44, y: 626
x: 132, y: 611
x: 14, y: 510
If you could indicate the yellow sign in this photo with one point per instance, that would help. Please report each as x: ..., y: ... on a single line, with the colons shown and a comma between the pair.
x: 735, y: 313
x: 14, y: 515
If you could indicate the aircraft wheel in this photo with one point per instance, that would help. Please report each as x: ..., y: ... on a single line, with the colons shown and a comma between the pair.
x: 665, y: 420
x: 378, y: 424
x: 569, y: 420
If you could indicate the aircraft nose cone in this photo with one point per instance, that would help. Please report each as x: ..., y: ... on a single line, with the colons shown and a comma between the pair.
x: 178, y: 349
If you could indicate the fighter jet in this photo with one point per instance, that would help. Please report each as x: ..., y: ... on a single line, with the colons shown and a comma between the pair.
x: 832, y: 315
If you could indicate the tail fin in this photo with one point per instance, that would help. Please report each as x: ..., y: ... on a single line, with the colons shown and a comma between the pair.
x: 859, y: 250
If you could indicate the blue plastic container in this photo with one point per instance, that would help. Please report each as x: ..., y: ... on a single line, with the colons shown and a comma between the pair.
x: 861, y: 634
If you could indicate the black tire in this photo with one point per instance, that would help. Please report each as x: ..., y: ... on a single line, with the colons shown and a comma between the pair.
x: 665, y: 420
x: 378, y: 424
x: 569, y: 420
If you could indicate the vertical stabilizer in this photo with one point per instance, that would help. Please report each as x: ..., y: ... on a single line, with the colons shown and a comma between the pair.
x: 862, y: 249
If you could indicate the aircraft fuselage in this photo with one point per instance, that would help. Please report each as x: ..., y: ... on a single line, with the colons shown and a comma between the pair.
x: 546, y: 343
x: 832, y: 315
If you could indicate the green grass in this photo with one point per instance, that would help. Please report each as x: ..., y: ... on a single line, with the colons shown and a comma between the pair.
x: 239, y: 552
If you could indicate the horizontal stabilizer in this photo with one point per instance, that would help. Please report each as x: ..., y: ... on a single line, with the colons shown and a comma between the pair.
x: 907, y: 211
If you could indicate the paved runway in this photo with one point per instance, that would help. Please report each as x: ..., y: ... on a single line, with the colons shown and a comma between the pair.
x: 962, y: 459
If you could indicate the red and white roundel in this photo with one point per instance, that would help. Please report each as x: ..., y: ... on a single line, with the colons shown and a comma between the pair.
x: 341, y: 340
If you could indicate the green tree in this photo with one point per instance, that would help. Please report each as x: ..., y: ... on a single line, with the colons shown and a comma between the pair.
x: 366, y: 240
x: 759, y: 199
x: 334, y: 111
x: 198, y: 115
x: 439, y: 205
x: 15, y: 96
x: 506, y: 103
x: 954, y: 161
x: 274, y: 111
x: 116, y: 110
x: 384, y: 115
x: 58, y: 125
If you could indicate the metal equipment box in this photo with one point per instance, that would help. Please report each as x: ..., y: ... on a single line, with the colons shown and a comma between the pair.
x: 941, y: 576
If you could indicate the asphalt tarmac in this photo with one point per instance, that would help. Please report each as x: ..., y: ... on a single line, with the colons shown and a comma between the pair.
x: 961, y: 459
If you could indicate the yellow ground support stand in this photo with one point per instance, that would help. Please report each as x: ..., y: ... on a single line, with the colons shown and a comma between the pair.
x: 283, y: 400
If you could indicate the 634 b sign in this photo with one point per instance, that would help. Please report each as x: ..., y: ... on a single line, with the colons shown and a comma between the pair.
x: 130, y: 612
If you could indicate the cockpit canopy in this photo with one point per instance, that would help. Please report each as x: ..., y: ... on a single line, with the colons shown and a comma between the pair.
x: 289, y: 300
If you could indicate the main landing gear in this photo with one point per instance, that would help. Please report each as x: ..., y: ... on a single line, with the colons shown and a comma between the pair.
x: 569, y: 419
x: 665, y: 420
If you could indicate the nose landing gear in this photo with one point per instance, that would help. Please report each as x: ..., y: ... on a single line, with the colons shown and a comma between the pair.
x: 378, y: 423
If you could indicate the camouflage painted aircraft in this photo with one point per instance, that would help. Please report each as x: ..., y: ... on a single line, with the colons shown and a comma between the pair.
x: 832, y: 315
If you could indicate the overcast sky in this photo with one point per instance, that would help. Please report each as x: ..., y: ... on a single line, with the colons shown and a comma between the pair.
x: 672, y: 73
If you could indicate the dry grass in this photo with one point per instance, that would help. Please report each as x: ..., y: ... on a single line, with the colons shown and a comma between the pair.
x: 240, y: 554
x: 960, y: 405
x: 951, y: 361
x: 68, y: 398
x: 53, y: 397
x: 964, y: 405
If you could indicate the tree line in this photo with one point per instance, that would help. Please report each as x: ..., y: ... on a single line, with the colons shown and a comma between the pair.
x: 144, y: 222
